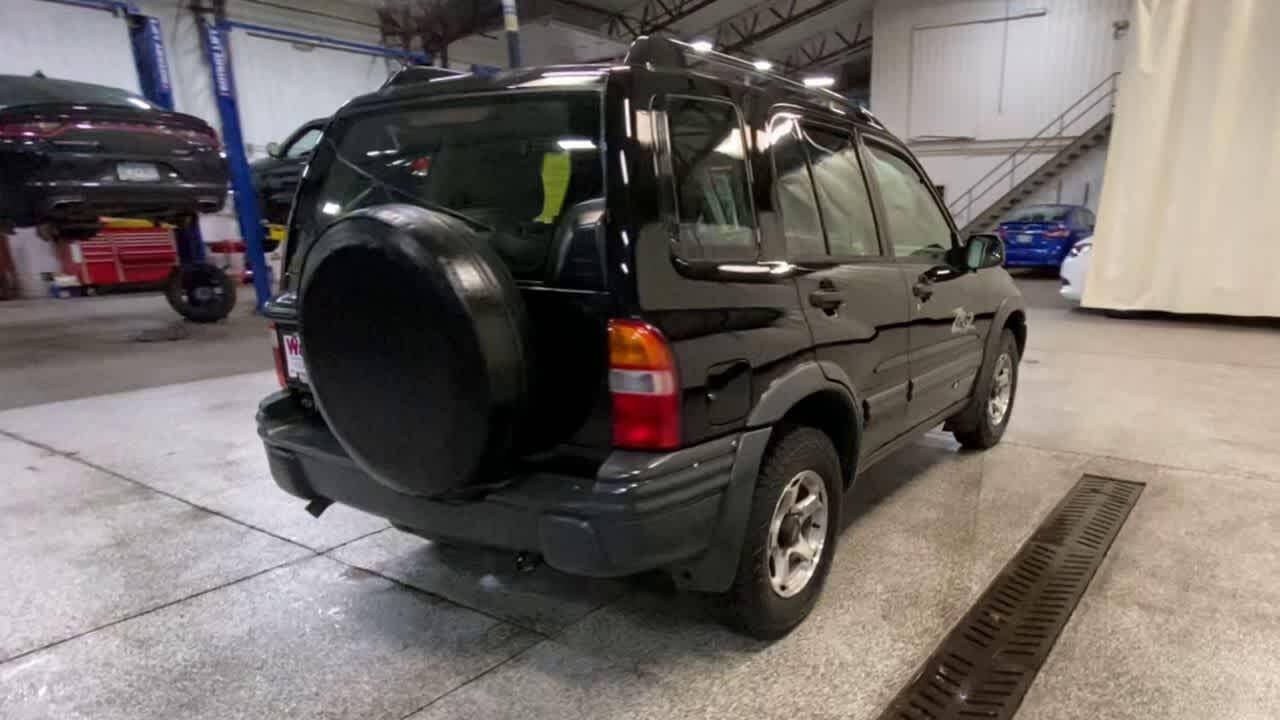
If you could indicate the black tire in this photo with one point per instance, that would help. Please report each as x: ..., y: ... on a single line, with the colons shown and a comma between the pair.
x: 200, y: 293
x: 418, y: 347
x: 974, y: 427
x: 752, y: 605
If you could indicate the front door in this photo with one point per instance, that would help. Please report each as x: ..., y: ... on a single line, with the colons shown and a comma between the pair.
x: 949, y: 313
x: 853, y: 294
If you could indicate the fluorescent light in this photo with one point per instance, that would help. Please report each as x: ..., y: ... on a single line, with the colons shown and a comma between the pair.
x: 702, y: 45
x: 763, y: 65
x: 819, y: 81
x: 575, y: 144
x: 331, y: 208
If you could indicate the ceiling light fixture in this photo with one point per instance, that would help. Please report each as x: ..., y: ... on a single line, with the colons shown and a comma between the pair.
x: 819, y: 81
x: 762, y: 65
x: 702, y: 45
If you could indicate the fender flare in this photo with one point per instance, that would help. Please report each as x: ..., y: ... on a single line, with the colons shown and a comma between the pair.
x: 1007, y: 307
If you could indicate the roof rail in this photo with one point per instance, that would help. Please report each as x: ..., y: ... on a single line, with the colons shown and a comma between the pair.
x: 420, y: 73
x: 665, y: 52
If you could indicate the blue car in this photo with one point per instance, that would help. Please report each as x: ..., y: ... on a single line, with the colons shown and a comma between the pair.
x: 1042, y: 235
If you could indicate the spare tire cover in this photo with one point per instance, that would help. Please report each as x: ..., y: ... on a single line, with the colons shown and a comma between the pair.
x: 417, y: 347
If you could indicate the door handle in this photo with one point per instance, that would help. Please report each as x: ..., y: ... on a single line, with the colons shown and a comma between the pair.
x: 826, y: 300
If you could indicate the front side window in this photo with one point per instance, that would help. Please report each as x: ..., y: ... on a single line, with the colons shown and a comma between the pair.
x: 514, y: 165
x: 305, y: 143
x: 842, y: 193
x: 916, y: 223
x: 793, y: 190
x: 714, y: 214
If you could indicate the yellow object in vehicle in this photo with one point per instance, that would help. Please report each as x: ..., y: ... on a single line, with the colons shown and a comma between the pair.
x: 556, y: 169
x: 276, y: 232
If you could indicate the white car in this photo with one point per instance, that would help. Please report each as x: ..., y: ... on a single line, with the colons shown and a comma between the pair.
x: 1074, y: 269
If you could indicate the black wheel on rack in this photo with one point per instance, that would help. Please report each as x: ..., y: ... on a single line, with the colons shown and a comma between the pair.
x: 200, y: 293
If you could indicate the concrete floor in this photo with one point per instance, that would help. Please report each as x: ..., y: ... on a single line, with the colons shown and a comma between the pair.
x: 153, y: 571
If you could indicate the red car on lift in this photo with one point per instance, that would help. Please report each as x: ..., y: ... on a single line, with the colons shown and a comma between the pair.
x: 72, y: 152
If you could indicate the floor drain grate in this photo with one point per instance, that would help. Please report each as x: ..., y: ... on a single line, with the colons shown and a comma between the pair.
x: 984, y: 666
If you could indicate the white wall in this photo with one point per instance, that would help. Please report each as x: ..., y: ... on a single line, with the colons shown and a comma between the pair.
x: 67, y: 42
x: 965, y: 86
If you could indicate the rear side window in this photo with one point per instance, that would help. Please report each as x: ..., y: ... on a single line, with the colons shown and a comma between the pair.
x: 714, y: 214
x: 793, y: 191
x: 842, y: 193
x: 916, y: 223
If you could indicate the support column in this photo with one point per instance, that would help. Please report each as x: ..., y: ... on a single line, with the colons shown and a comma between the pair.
x: 217, y: 50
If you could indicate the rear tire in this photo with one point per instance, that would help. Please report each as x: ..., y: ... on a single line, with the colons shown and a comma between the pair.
x: 767, y: 601
x: 981, y: 425
x: 200, y: 293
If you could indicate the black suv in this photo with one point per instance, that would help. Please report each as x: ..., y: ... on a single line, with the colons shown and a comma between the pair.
x: 658, y: 315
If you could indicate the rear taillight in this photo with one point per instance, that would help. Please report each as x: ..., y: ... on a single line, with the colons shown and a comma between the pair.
x: 645, y: 390
x: 277, y: 350
x: 1058, y: 232
x: 31, y: 130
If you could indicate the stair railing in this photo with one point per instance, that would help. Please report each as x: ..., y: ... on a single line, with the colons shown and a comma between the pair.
x: 962, y: 207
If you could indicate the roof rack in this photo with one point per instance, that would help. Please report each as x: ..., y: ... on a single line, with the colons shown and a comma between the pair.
x: 671, y: 53
x: 420, y: 73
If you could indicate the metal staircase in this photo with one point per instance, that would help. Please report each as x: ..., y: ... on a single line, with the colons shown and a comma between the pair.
x: 980, y: 208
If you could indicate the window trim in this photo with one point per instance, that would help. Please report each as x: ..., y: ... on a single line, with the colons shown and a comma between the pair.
x: 664, y: 159
x: 866, y: 141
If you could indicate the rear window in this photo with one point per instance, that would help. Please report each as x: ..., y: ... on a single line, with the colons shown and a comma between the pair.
x: 1039, y: 214
x: 518, y: 164
x: 28, y: 90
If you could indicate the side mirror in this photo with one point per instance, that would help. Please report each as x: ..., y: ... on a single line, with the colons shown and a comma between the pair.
x: 983, y: 251
x: 273, y: 149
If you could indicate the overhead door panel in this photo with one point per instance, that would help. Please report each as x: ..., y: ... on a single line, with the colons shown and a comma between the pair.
x: 945, y: 100
x: 282, y: 84
x: 67, y: 42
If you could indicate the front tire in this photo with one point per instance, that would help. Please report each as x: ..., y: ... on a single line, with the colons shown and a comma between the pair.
x: 983, y: 422
x: 790, y: 536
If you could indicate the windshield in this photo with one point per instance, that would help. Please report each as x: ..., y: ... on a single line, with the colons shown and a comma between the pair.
x: 29, y: 90
x: 511, y: 165
x: 1039, y: 214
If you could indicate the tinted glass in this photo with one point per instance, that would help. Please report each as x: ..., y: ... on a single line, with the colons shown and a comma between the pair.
x: 1039, y: 214
x: 793, y: 190
x: 24, y: 90
x: 842, y: 194
x: 514, y: 163
x: 304, y: 144
x: 916, y: 224
x: 713, y: 203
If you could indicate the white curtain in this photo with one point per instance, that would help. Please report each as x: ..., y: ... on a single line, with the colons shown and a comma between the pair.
x: 1189, y: 219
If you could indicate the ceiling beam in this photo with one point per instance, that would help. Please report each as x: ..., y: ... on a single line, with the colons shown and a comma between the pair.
x: 648, y: 17
x: 827, y: 47
x: 765, y: 20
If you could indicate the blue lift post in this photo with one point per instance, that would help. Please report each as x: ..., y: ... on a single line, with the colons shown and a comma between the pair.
x: 247, y: 212
x: 153, y: 76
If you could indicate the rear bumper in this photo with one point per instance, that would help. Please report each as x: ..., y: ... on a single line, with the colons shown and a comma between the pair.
x: 682, y: 510
x: 1025, y: 256
x: 74, y: 199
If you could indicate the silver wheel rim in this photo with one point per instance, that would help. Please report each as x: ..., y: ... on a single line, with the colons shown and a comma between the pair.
x: 797, y: 534
x: 1001, y: 390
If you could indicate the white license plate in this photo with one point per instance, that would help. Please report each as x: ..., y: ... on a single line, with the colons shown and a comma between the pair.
x: 137, y: 172
x: 1024, y: 239
x: 293, y: 363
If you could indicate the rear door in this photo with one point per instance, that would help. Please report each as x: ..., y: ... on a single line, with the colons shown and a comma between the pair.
x: 950, y: 311
x: 853, y: 295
